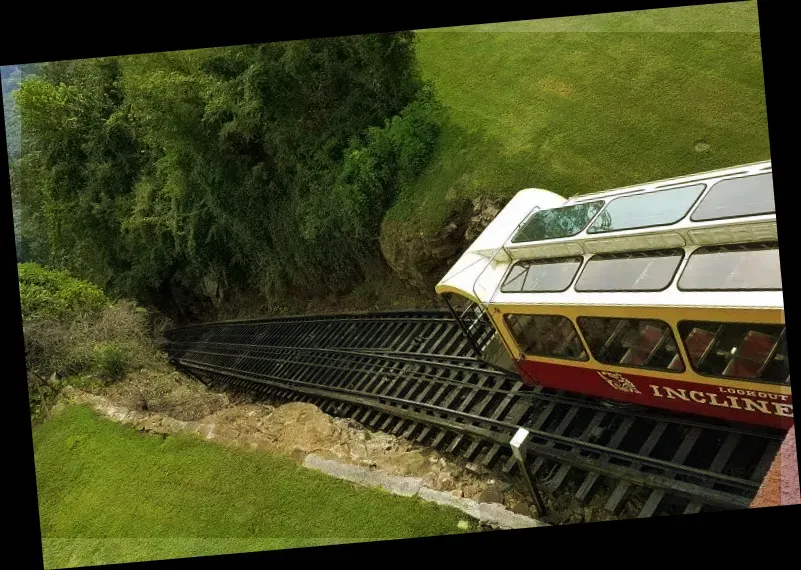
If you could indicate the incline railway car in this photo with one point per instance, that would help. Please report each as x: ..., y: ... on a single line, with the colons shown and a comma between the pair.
x: 666, y: 294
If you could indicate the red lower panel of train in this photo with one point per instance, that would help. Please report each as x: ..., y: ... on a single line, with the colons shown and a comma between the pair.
x: 736, y: 405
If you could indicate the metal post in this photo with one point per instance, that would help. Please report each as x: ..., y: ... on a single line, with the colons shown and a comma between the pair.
x: 519, y: 451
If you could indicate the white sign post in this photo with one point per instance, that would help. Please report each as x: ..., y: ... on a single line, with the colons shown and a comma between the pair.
x: 518, y: 444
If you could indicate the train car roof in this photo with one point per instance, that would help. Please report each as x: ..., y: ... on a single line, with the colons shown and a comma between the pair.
x: 745, y: 214
x: 478, y: 267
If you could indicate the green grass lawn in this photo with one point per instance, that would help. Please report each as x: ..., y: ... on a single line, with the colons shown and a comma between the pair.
x: 108, y: 494
x: 590, y: 103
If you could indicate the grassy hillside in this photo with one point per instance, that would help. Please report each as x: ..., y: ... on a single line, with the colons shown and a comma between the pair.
x: 583, y: 104
x: 108, y: 494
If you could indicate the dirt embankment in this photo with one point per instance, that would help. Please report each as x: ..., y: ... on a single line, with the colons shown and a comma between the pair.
x: 422, y: 259
x: 169, y: 402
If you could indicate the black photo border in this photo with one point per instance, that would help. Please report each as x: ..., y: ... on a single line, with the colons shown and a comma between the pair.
x: 130, y: 29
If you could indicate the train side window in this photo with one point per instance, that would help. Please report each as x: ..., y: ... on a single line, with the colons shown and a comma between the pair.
x: 735, y: 197
x: 541, y: 275
x: 637, y: 343
x: 651, y: 209
x: 740, y: 267
x: 546, y: 335
x: 737, y: 350
x: 630, y: 271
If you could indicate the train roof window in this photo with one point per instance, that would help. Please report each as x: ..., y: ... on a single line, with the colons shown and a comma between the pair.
x: 646, y: 210
x: 546, y: 335
x: 638, y: 343
x: 632, y: 271
x: 747, y: 267
x: 735, y: 197
x: 542, y: 275
x: 557, y: 222
x: 737, y: 350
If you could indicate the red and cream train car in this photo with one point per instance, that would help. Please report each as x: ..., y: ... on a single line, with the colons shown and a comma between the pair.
x: 665, y: 294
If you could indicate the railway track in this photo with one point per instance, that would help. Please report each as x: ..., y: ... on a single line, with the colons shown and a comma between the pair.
x: 415, y: 374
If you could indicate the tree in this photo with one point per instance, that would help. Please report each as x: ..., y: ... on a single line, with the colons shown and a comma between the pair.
x: 261, y: 166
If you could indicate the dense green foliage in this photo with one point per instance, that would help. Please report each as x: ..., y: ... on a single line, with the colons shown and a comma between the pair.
x: 264, y: 166
x: 11, y: 78
x: 108, y: 494
x: 56, y: 295
x: 272, y: 167
x: 11, y: 118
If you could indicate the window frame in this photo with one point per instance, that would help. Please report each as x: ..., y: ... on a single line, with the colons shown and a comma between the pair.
x: 743, y: 324
x: 699, y: 203
x: 508, y: 324
x: 635, y: 366
x: 554, y: 261
x: 681, y: 254
x: 724, y: 290
x: 690, y: 208
x: 603, y: 202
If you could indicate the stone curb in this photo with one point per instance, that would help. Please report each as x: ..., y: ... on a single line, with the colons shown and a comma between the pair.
x: 412, y: 486
x: 395, y: 484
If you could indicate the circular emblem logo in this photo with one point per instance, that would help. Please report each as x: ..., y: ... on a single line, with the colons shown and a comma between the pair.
x: 619, y: 382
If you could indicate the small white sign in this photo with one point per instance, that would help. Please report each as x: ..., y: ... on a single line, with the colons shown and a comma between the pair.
x: 519, y: 439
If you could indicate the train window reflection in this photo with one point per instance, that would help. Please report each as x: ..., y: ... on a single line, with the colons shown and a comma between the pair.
x: 631, y: 342
x: 558, y: 222
x: 735, y: 197
x: 733, y: 268
x: 632, y: 271
x: 647, y: 210
x: 737, y: 350
x: 541, y: 276
x: 546, y: 335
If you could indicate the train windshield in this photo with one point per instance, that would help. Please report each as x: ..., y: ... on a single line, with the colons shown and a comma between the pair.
x: 558, y: 222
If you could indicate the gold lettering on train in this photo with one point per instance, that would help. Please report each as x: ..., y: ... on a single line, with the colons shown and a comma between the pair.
x: 785, y: 410
x: 763, y: 395
x: 762, y: 405
x: 713, y: 399
x: 673, y: 394
x: 735, y: 402
x: 698, y: 397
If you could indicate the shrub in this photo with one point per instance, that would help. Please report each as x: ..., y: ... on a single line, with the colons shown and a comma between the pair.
x: 110, y: 359
x: 56, y: 295
x: 162, y: 173
x: 375, y: 170
x: 72, y: 330
x: 109, y: 343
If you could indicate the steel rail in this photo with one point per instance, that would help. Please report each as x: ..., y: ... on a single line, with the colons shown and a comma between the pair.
x: 408, y: 372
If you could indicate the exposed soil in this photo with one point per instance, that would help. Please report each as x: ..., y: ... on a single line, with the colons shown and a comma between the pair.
x: 421, y: 259
x: 166, y: 392
x: 166, y: 401
x: 162, y: 400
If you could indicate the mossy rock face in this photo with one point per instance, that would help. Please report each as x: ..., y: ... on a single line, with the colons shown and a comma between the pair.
x: 420, y: 258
